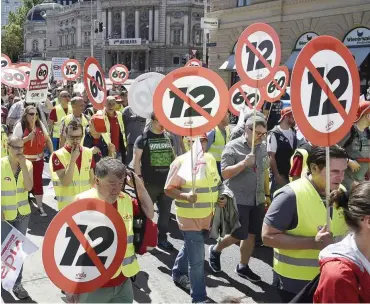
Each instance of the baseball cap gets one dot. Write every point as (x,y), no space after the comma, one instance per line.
(284,112)
(98,121)
(363,109)
(203,136)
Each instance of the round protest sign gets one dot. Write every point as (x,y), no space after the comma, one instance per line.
(71,69)
(14,77)
(118,74)
(5,61)
(190,102)
(325,91)
(193,63)
(257,55)
(84,246)
(275,89)
(241,94)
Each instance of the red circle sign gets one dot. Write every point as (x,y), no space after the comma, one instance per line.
(325,91)
(42,72)
(190,102)
(194,63)
(71,69)
(94,83)
(5,61)
(257,55)
(118,74)
(242,94)
(68,231)
(14,77)
(276,88)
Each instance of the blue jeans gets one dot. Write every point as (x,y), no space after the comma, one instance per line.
(190,261)
(55,142)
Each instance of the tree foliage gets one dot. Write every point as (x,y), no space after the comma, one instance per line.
(12,42)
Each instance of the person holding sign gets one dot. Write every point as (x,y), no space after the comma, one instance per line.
(357,145)
(17,181)
(245,173)
(295,224)
(111,175)
(72,167)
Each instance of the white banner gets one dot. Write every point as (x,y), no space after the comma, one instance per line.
(209,23)
(126,41)
(56,66)
(39,81)
(15,248)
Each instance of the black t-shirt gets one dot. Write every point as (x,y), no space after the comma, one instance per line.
(275,115)
(156,158)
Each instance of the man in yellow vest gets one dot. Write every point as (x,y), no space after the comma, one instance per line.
(78,106)
(16,182)
(194,213)
(72,167)
(115,128)
(296,222)
(110,177)
(217,140)
(59,111)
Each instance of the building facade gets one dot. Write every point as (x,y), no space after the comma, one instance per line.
(8,6)
(296,22)
(144,35)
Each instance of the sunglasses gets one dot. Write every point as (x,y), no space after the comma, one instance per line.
(32,114)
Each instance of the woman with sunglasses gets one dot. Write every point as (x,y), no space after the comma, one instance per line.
(35,136)
(16,181)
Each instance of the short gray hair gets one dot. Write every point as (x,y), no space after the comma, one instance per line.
(110,165)
(13,138)
(260,120)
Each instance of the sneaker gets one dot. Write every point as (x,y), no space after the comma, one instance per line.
(214,259)
(183,282)
(165,245)
(20,292)
(42,212)
(247,273)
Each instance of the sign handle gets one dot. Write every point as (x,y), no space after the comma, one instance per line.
(327,188)
(192,164)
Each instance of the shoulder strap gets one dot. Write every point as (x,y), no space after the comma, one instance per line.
(351,137)
(145,138)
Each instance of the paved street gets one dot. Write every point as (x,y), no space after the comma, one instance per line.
(153,283)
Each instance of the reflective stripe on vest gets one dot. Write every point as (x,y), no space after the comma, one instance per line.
(73,184)
(311,211)
(107,135)
(60,114)
(200,190)
(14,197)
(193,205)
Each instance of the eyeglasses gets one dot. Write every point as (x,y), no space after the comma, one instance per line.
(258,134)
(75,137)
(64,96)
(16,147)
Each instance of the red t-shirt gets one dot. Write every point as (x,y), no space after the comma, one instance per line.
(114,131)
(296,169)
(121,278)
(57,164)
(53,114)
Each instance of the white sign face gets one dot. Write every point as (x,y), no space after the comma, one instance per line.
(70,256)
(238,101)
(96,85)
(39,80)
(5,61)
(358,37)
(118,74)
(71,69)
(128,41)
(56,63)
(317,107)
(304,39)
(14,77)
(140,95)
(209,23)
(281,78)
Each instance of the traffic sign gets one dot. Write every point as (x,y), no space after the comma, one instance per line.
(118,74)
(190,102)
(25,67)
(71,69)
(193,63)
(325,91)
(94,82)
(241,94)
(275,89)
(84,246)
(140,95)
(5,61)
(14,77)
(38,81)
(257,55)
(42,72)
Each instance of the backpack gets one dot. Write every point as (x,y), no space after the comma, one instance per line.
(353,135)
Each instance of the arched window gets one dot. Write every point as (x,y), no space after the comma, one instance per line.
(35,45)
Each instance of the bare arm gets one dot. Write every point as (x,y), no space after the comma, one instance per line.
(137,160)
(234,170)
(144,198)
(267,181)
(176,193)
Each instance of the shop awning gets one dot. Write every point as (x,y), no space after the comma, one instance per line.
(360,54)
(291,60)
(229,64)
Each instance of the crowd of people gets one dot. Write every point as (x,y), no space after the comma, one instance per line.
(260,181)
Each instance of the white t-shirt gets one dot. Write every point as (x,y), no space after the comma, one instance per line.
(18,131)
(271,140)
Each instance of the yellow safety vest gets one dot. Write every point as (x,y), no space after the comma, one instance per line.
(81,180)
(304,264)
(14,197)
(60,114)
(219,144)
(107,135)
(304,154)
(4,140)
(84,122)
(130,265)
(206,190)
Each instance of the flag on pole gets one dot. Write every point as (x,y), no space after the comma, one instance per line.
(15,247)
(199,164)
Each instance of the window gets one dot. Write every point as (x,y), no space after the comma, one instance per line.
(35,45)
(60,40)
(66,39)
(72,38)
(87,37)
(7,8)
(176,36)
(176,60)
(242,3)
(50,43)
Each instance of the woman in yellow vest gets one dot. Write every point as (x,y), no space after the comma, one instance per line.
(16,181)
(296,222)
(110,177)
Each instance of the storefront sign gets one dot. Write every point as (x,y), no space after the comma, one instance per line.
(302,41)
(130,41)
(209,23)
(359,36)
